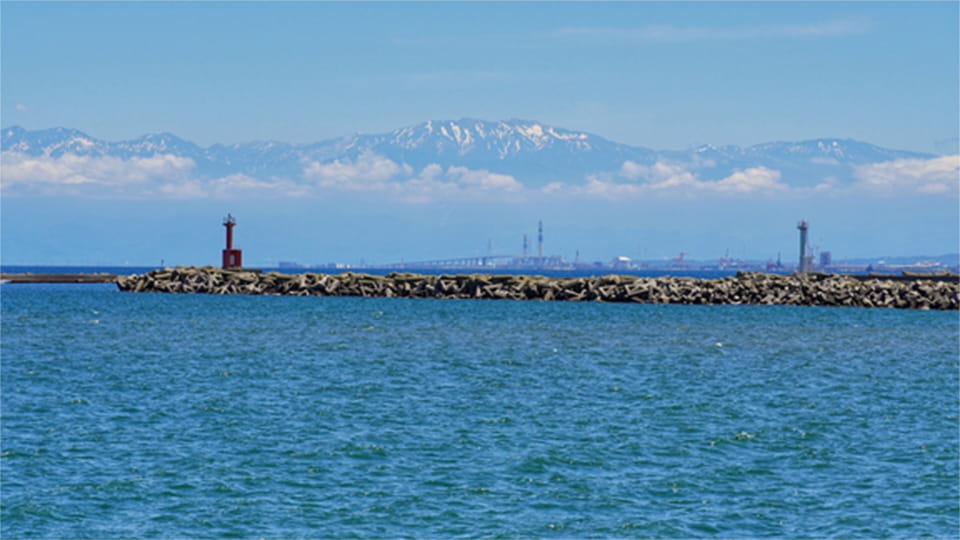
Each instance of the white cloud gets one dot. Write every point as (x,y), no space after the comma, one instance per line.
(672,178)
(242,182)
(828,183)
(22,107)
(939,175)
(431,172)
(170,176)
(482,179)
(374,173)
(191,189)
(749,180)
(162,175)
(425,189)
(554,187)
(607,190)
(69,169)
(368,172)
(234,186)
(456,183)
(660,175)
(241,185)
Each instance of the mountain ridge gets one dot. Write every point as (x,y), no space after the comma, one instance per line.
(560,133)
(538,153)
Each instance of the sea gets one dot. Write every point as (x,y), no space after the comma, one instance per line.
(141,415)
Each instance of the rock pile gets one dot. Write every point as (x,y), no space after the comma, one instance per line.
(745,288)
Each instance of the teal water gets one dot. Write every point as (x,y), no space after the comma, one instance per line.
(149,415)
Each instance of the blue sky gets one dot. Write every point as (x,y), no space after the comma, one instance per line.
(651,74)
(664,76)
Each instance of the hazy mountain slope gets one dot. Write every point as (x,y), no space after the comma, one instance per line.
(533,153)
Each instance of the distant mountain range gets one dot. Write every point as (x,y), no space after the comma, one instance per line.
(532,152)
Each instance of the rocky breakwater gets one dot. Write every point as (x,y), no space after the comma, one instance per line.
(745,288)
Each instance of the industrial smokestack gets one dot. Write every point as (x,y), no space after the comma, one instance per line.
(525,248)
(540,240)
(805,261)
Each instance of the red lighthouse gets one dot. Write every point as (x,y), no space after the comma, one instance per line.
(232,258)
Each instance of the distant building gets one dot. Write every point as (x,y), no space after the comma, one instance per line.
(621,263)
(825,259)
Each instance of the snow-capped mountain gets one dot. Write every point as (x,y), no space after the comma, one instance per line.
(532,152)
(536,152)
(803,163)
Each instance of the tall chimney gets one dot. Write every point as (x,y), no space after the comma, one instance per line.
(540,240)
(804,266)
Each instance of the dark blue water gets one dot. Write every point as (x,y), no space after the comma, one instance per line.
(150,415)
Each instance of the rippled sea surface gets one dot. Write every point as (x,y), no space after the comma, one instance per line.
(150,415)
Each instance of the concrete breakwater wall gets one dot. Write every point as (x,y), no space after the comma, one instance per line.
(745,288)
(58,278)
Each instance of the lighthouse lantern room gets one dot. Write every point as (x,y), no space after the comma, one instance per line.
(232,258)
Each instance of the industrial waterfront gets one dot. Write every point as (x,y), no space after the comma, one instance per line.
(526,263)
(809,259)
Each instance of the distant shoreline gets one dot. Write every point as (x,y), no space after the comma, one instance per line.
(584,271)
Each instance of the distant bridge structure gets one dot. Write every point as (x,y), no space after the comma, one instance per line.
(483,261)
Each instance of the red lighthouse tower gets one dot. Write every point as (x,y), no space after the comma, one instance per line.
(232,258)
